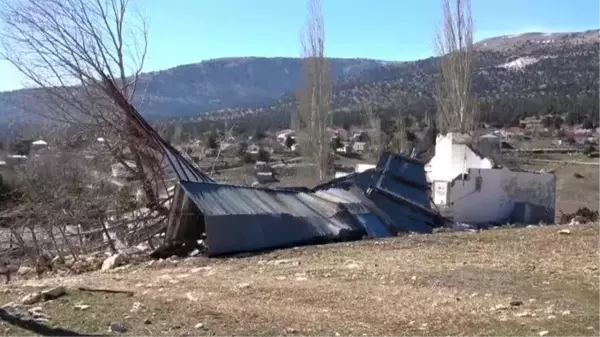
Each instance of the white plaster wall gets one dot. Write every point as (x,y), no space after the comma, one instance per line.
(452,159)
(500,190)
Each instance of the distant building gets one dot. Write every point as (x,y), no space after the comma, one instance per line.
(283,134)
(253,149)
(359,146)
(38,144)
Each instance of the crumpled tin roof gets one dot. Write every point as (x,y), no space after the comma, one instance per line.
(222,199)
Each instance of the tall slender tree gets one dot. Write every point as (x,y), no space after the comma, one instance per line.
(457,109)
(315,96)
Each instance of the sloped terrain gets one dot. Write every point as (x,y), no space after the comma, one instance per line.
(498,282)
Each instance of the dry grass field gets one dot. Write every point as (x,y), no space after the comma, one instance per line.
(500,282)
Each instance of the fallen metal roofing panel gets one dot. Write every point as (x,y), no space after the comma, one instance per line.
(397,187)
(239,218)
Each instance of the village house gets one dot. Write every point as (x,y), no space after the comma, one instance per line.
(283,134)
(359,146)
(511,132)
(345,148)
(454,155)
(469,188)
(253,149)
(38,145)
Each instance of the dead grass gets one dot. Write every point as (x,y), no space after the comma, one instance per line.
(447,283)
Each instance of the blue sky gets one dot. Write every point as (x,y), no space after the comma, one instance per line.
(188,31)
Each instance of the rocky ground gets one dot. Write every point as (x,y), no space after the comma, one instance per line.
(528,281)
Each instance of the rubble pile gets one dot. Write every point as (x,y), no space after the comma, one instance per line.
(581,216)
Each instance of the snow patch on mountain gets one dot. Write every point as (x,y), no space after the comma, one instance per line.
(519,63)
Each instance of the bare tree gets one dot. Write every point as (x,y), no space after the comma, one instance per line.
(85,57)
(398,141)
(314,98)
(457,110)
(375,134)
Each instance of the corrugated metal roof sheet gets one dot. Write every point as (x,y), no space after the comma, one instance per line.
(221,199)
(240,218)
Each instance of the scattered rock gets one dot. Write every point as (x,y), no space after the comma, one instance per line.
(500,307)
(523,314)
(199,326)
(291,330)
(116,327)
(82,307)
(35,310)
(199,269)
(191,297)
(135,307)
(566,312)
(53,293)
(113,262)
(32,298)
(551,317)
(516,303)
(57,260)
(352,266)
(24,270)
(543,333)
(564,231)
(243,285)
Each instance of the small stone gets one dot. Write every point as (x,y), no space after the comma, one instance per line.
(24,270)
(414,278)
(543,333)
(523,314)
(564,231)
(191,297)
(199,269)
(566,312)
(352,266)
(113,262)
(500,307)
(147,321)
(135,307)
(53,293)
(199,326)
(291,330)
(35,309)
(116,327)
(516,303)
(551,317)
(82,307)
(243,285)
(31,298)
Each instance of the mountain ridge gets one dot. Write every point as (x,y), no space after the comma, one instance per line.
(232,84)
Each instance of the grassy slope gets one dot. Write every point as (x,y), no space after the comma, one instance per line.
(438,284)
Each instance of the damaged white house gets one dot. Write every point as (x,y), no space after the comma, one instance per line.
(469,188)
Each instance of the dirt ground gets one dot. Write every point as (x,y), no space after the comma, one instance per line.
(577,183)
(497,282)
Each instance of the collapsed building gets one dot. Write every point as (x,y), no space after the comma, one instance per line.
(471,188)
(392,198)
